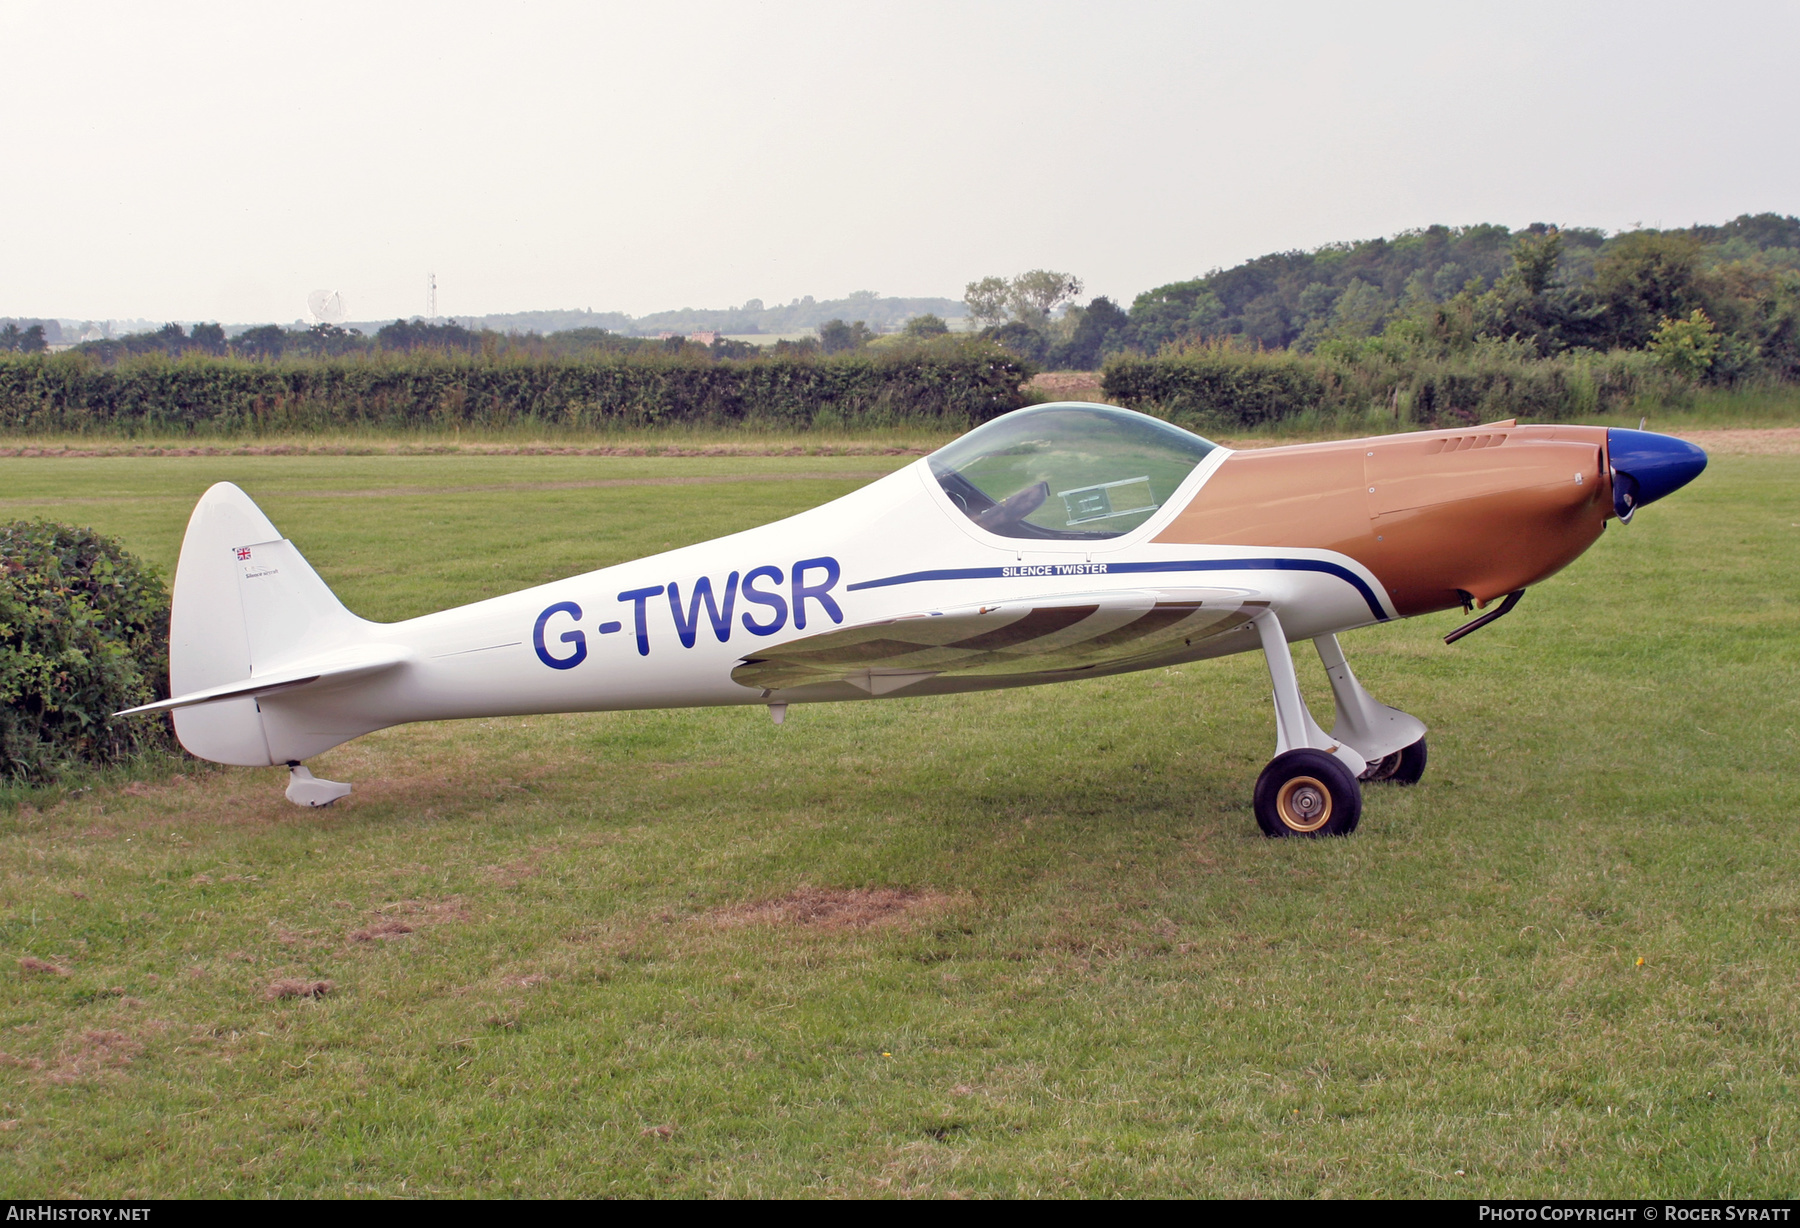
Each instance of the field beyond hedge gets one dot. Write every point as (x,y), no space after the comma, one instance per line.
(1014,944)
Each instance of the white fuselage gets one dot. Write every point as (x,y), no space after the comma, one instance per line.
(667,630)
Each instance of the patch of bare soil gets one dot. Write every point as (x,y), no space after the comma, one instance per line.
(96,1053)
(511,875)
(1068,385)
(404,917)
(427,912)
(32,964)
(294,987)
(819,908)
(1768,441)
(390,928)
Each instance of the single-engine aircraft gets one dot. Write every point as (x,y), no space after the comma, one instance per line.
(1051,544)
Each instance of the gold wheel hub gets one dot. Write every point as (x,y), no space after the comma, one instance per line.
(1304,804)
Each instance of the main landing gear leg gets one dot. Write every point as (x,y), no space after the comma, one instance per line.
(1392,741)
(1309,787)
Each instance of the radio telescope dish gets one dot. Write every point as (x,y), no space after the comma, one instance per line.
(327,306)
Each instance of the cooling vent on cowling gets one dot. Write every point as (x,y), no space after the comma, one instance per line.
(1463,443)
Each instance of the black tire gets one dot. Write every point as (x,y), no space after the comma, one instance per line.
(1411,765)
(1403,767)
(1307,793)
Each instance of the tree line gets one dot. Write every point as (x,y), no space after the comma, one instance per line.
(16,340)
(270,342)
(1714,303)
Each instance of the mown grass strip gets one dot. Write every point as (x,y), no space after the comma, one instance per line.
(1024,943)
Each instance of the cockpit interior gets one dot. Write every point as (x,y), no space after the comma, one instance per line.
(1067,471)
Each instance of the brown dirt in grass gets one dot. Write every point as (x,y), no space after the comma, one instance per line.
(427,912)
(389,922)
(511,875)
(97,1053)
(1770,441)
(817,908)
(33,964)
(1068,385)
(380,930)
(293,987)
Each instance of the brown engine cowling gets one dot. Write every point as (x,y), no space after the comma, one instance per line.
(1434,514)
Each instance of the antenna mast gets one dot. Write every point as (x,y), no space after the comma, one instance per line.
(431,297)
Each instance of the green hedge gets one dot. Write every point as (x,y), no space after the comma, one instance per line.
(84,632)
(1218,385)
(1546,390)
(1241,387)
(953,386)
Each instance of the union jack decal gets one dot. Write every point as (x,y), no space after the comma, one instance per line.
(243,553)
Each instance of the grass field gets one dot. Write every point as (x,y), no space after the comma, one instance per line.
(1009,944)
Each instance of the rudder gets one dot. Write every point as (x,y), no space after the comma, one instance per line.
(244,601)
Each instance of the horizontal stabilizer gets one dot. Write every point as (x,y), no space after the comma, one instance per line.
(341,665)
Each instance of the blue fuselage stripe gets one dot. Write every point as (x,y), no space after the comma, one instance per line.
(994,573)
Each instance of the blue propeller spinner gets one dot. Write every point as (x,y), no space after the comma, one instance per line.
(1646,466)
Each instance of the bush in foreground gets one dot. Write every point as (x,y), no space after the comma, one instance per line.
(84,632)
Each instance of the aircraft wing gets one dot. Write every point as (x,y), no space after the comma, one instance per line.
(1057,635)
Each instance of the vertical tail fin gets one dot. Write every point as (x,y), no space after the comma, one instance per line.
(245,602)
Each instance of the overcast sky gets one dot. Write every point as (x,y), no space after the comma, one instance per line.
(218,161)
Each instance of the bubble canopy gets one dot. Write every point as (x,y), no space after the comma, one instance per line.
(1067,471)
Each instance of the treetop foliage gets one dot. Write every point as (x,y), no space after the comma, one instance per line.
(1442,291)
(1424,294)
(27,340)
(837,337)
(1027,299)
